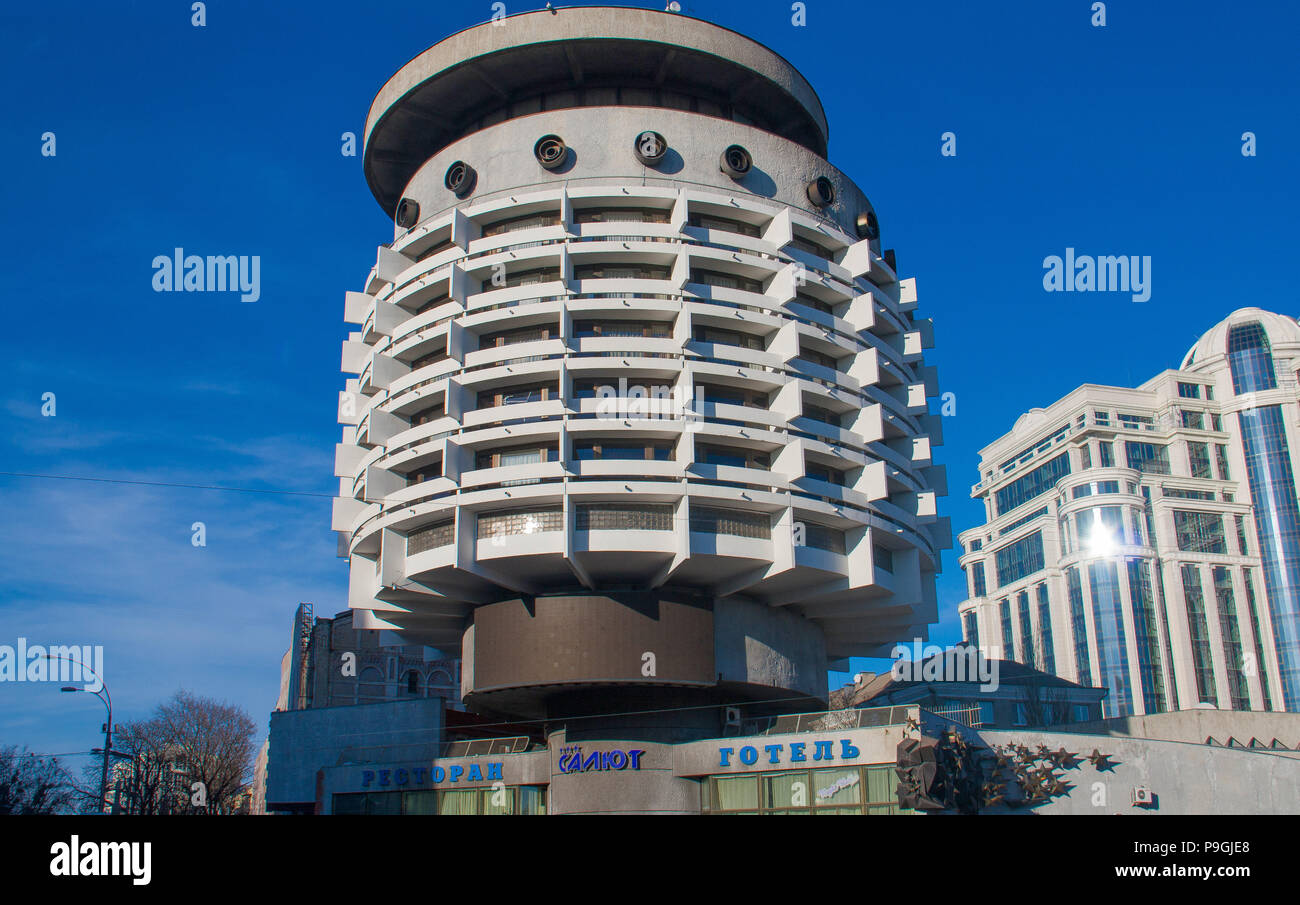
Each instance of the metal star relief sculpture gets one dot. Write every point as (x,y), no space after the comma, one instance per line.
(1101,762)
(1065,759)
(1036,774)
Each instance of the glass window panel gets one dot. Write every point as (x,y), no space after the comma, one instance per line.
(1277,529)
(1202,660)
(458,801)
(1252,608)
(1231,637)
(519,521)
(735,793)
(348,804)
(1039,481)
(1221,454)
(622,517)
(1026,627)
(1020,558)
(732,522)
(1150,672)
(419,802)
(1199,532)
(1112,653)
(1008,633)
(1047,655)
(786,790)
(1079,626)
(497,801)
(837,787)
(1148,458)
(882,784)
(1250,359)
(1198,458)
(532,800)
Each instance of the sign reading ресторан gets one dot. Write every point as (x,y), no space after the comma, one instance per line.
(422,776)
(797,753)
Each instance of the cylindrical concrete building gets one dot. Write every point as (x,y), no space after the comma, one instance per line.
(639,420)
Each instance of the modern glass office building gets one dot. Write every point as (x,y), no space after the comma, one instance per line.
(638,416)
(1159,525)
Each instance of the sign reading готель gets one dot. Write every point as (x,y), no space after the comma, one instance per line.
(822,750)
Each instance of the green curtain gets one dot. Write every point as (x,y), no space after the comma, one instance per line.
(498,801)
(735,793)
(461,801)
(787,790)
(837,787)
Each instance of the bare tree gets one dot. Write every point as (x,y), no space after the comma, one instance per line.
(190,757)
(33,785)
(211,743)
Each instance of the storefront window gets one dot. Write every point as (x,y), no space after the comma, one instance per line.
(412,802)
(532,800)
(500,800)
(369,803)
(786,790)
(837,787)
(841,790)
(459,801)
(735,793)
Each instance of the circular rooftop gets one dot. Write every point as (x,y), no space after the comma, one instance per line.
(1281,329)
(574,57)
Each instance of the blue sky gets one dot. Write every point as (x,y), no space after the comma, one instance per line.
(225,140)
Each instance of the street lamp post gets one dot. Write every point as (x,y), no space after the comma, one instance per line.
(107,701)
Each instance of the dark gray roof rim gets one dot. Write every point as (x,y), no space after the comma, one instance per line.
(409,89)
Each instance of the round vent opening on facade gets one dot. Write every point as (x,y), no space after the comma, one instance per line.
(868,226)
(650,148)
(736,162)
(408,213)
(551,152)
(821,191)
(460,178)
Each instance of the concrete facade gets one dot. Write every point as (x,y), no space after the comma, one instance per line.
(839,762)
(1277,732)
(301,742)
